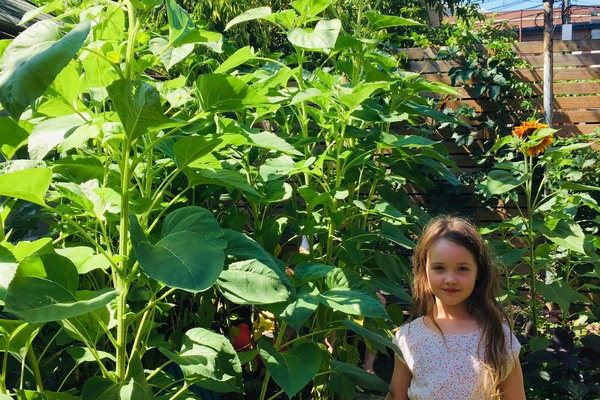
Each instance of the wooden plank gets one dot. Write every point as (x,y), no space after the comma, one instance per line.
(569,88)
(558,116)
(592,116)
(415,53)
(559,74)
(574,130)
(559,88)
(565,103)
(584,61)
(558,46)
(522,48)
(564,60)
(429,66)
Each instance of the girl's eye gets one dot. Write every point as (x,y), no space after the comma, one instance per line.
(438,268)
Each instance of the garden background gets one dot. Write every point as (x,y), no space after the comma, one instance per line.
(164,162)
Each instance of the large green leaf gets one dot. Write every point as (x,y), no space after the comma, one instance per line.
(293,368)
(190,149)
(354,302)
(182,29)
(310,8)
(276,168)
(249,15)
(349,293)
(224,92)
(500,182)
(189,254)
(139,107)
(49,133)
(561,293)
(296,312)
(307,271)
(321,38)
(252,282)
(379,21)
(84,258)
(240,247)
(8,268)
(44,289)
(79,169)
(565,233)
(12,137)
(83,354)
(24,249)
(377,341)
(361,93)
(136,386)
(168,55)
(33,60)
(270,140)
(356,376)
(208,360)
(219,177)
(90,327)
(240,57)
(98,387)
(16,337)
(27,184)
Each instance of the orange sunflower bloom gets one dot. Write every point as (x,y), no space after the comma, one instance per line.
(527,129)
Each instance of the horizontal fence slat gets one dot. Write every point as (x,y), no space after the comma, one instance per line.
(569,88)
(557,46)
(564,103)
(559,88)
(579,129)
(559,74)
(537,62)
(521,48)
(564,60)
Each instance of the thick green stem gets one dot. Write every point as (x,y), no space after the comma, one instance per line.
(531,241)
(133,29)
(3,374)
(263,390)
(35,369)
(120,275)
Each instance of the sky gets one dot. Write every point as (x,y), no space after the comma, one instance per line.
(511,5)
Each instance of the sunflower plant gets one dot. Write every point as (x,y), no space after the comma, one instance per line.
(545,237)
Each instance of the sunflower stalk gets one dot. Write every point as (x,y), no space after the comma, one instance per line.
(532,138)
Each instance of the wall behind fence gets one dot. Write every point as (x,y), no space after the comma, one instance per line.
(576,107)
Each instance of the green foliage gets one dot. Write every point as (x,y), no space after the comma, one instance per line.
(161,178)
(174,177)
(556,260)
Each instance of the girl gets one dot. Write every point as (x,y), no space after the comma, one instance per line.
(457,346)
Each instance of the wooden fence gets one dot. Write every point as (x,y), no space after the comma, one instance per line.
(576,108)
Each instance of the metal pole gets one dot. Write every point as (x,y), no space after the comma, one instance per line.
(548,61)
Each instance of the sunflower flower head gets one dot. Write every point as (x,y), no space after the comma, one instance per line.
(534,137)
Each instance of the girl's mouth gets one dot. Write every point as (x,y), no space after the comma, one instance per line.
(451,290)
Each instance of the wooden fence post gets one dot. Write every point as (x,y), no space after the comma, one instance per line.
(548,60)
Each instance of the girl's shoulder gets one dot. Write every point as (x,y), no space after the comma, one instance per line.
(512,343)
(415,324)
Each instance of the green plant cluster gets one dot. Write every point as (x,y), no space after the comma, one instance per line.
(166,189)
(160,184)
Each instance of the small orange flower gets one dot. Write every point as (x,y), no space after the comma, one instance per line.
(527,129)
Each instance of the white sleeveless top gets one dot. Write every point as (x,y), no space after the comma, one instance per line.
(446,371)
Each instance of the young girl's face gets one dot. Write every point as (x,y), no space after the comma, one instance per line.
(451,272)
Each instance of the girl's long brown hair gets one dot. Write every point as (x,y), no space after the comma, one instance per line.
(482,303)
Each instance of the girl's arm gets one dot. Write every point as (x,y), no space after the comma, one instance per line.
(512,388)
(400,381)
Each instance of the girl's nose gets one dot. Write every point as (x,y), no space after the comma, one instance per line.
(451,279)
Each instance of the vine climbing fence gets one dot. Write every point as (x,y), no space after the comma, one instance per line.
(576,107)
